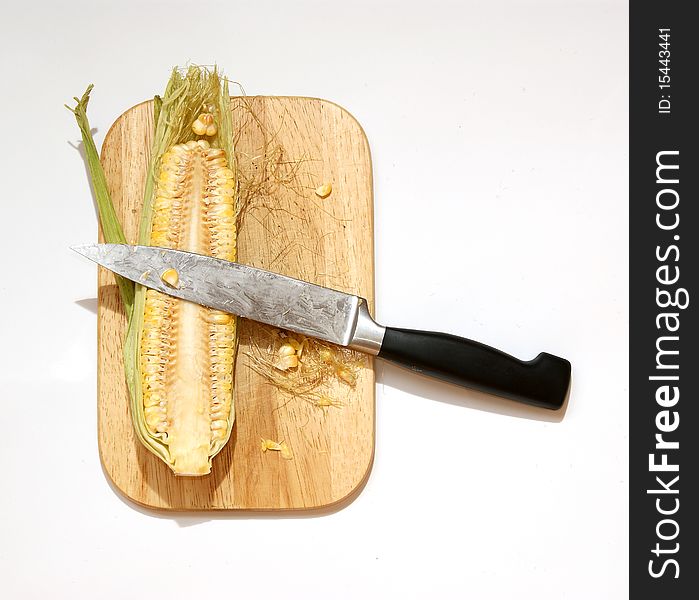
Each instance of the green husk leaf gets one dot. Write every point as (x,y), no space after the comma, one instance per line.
(157,105)
(109,222)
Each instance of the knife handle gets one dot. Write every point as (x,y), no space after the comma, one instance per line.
(542,382)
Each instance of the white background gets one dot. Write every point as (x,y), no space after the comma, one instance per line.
(499,139)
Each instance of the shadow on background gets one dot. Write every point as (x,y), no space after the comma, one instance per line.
(89,304)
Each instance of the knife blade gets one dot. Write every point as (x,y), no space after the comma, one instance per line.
(336,317)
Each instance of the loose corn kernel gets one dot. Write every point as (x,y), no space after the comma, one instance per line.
(269,445)
(171,277)
(323,191)
(289,355)
(287,350)
(281,447)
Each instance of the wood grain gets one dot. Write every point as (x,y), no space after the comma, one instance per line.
(287,229)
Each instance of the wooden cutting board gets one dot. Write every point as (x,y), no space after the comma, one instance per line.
(286,147)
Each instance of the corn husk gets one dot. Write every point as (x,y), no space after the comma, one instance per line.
(109,222)
(187,91)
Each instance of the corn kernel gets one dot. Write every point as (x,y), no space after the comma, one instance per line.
(269,445)
(323,191)
(171,277)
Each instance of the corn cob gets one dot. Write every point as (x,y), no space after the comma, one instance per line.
(179,356)
(187,350)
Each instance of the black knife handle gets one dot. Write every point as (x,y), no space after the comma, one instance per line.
(543,381)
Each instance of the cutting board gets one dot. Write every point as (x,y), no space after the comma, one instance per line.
(286,147)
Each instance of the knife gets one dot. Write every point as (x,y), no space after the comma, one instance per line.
(339,318)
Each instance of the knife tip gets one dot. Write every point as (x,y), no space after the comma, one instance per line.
(86,250)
